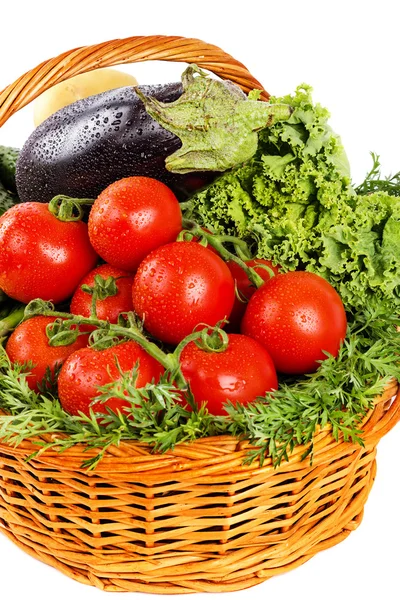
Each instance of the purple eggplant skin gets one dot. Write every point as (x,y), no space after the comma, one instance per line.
(84,147)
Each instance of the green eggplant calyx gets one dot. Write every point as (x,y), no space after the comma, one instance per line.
(215,121)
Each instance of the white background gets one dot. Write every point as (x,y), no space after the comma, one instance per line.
(349,52)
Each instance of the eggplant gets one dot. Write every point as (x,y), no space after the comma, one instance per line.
(84,147)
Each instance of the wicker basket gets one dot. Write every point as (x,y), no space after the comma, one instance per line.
(195,519)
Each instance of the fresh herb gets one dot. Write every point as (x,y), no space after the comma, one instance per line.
(48,384)
(374,182)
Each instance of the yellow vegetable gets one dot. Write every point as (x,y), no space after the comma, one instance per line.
(80,86)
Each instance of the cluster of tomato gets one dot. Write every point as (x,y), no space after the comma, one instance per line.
(286,325)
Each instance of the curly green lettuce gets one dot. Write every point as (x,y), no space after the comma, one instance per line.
(294,201)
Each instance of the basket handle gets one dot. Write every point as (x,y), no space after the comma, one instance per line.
(128,50)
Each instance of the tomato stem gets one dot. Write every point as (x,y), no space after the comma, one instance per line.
(216,341)
(218,241)
(196,335)
(110,334)
(67,209)
(111,331)
(101,289)
(240,246)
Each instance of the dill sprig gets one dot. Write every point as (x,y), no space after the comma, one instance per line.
(374,182)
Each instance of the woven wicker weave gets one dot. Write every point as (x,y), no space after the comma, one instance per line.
(195,519)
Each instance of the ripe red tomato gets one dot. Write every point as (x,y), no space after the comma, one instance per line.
(86,370)
(296,316)
(109,308)
(244,286)
(240,373)
(40,256)
(132,217)
(29,342)
(180,285)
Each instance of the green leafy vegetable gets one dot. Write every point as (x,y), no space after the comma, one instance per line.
(8,161)
(294,201)
(7,199)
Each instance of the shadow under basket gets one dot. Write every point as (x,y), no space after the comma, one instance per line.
(196,519)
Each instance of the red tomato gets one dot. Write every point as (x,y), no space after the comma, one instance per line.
(179,286)
(244,286)
(296,316)
(240,373)
(29,342)
(132,217)
(109,308)
(86,370)
(40,256)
